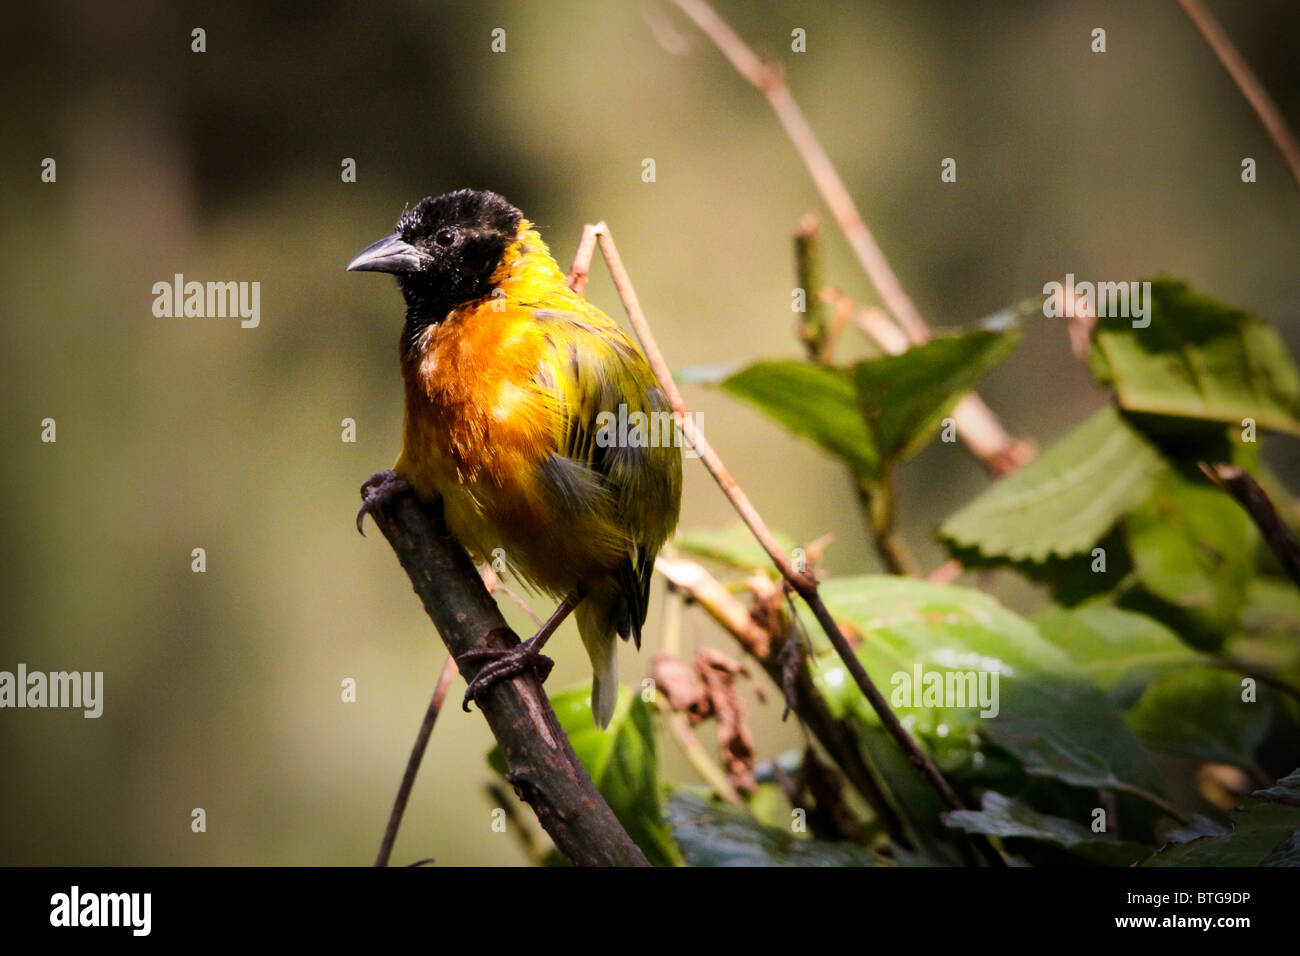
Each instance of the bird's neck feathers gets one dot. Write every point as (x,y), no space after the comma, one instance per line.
(527,272)
(527,276)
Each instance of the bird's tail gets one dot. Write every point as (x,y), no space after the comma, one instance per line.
(598,626)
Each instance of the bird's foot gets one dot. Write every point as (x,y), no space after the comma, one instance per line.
(379,489)
(503,663)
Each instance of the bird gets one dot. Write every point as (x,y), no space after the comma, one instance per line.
(519,394)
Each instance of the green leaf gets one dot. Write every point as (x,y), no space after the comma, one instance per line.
(623,764)
(878,411)
(1007,818)
(1063,502)
(1121,651)
(1265,832)
(711,834)
(1052,719)
(1193,549)
(912,798)
(1071,580)
(734,546)
(769,805)
(1069,731)
(1197,826)
(1198,359)
(1269,635)
(818,402)
(905,397)
(1199,712)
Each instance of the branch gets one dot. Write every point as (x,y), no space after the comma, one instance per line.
(976,423)
(814,327)
(541,764)
(723,606)
(525,834)
(767,80)
(1246,81)
(767,651)
(818,335)
(804,584)
(877,502)
(448,674)
(581,267)
(997,450)
(1252,497)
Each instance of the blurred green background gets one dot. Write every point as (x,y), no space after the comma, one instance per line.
(222,689)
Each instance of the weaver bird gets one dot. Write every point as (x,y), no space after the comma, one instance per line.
(507,375)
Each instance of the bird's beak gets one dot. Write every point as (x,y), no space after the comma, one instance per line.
(390,254)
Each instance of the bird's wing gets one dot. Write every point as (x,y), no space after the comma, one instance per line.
(615,444)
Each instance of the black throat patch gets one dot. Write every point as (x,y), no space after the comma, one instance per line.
(462,237)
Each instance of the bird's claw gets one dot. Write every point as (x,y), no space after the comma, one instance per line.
(379,489)
(503,663)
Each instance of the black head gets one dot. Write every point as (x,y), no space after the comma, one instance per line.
(444,251)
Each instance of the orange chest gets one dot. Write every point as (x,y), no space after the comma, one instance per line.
(473,407)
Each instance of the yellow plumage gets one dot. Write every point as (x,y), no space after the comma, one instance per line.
(512,405)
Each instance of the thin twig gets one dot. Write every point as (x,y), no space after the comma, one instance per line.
(804,584)
(724,607)
(492,581)
(767,80)
(678,724)
(814,327)
(449,671)
(1252,670)
(833,733)
(674,612)
(876,325)
(665,32)
(1246,490)
(1081,318)
(999,452)
(979,429)
(1160,803)
(946,573)
(877,499)
(841,313)
(581,268)
(690,431)
(1246,81)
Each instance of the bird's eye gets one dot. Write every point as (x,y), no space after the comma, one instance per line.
(444,237)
